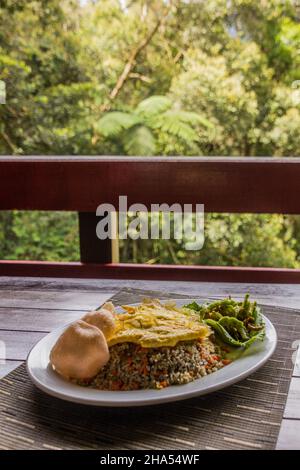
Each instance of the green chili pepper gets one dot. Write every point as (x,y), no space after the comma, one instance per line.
(215,316)
(227,338)
(244,311)
(223,333)
(236,323)
(225,307)
(235,327)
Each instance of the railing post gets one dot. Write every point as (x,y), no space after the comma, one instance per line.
(93,250)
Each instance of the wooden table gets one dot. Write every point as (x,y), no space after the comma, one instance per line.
(31,307)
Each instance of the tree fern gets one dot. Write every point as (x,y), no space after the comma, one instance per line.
(178,123)
(192,118)
(135,129)
(114,123)
(154,105)
(179,129)
(139,140)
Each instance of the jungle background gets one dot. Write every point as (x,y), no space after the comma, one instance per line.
(157,77)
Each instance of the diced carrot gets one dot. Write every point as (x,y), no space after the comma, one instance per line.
(216,357)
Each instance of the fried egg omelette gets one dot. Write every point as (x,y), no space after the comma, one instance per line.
(152,324)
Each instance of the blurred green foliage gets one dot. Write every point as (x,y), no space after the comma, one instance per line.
(39,235)
(230,240)
(116,77)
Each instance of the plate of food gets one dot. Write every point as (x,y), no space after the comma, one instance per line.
(152,352)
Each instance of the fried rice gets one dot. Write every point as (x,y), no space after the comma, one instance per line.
(132,367)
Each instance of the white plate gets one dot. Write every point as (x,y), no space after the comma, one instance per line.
(50,382)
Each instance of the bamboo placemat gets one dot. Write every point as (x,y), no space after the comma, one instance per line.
(246,415)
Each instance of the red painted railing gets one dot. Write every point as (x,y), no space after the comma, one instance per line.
(233,185)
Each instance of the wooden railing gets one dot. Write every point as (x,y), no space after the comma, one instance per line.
(233,185)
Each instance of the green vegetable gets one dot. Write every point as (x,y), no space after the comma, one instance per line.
(236,323)
(194,306)
(235,327)
(223,333)
(197,308)
(258,337)
(224,307)
(245,309)
(256,314)
(215,316)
